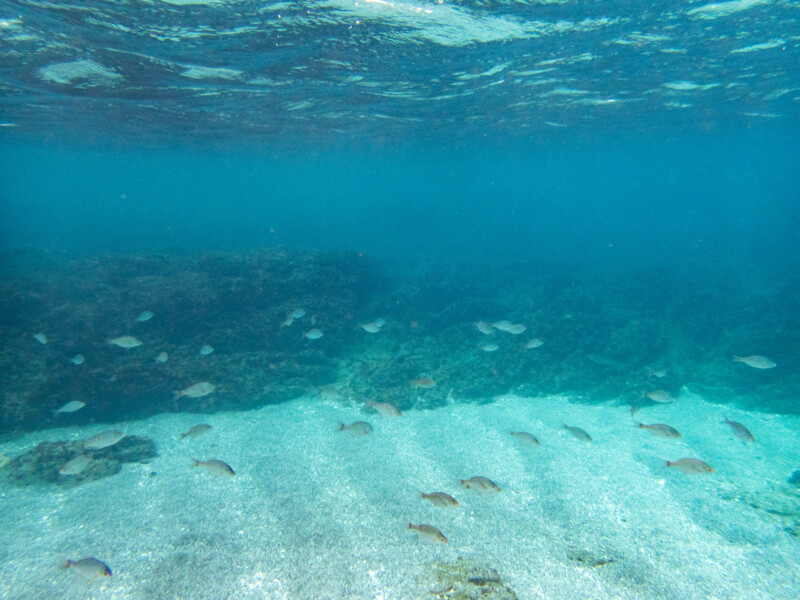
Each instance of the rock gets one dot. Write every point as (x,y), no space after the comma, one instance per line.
(466,580)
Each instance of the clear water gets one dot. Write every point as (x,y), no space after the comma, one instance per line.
(620,178)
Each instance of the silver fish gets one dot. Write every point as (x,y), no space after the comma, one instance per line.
(145,316)
(386,409)
(198,390)
(429,533)
(440,499)
(691,466)
(481,485)
(103,440)
(660,430)
(40,337)
(196,431)
(756,361)
(525,438)
(90,568)
(78,359)
(70,407)
(162,358)
(578,433)
(76,465)
(313,334)
(206,350)
(740,431)
(215,467)
(126,341)
(357,429)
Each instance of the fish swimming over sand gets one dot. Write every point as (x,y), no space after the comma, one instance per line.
(484,328)
(440,499)
(423,383)
(76,465)
(489,347)
(78,359)
(215,467)
(40,337)
(70,407)
(206,350)
(429,533)
(198,390)
(357,429)
(691,466)
(481,485)
(145,316)
(533,343)
(162,358)
(578,433)
(740,431)
(126,341)
(660,430)
(755,361)
(287,322)
(661,396)
(103,440)
(502,325)
(386,409)
(313,334)
(298,313)
(371,327)
(516,329)
(196,431)
(525,438)
(90,568)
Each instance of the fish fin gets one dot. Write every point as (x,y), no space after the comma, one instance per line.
(637,424)
(176,395)
(634,409)
(341,426)
(423,494)
(668,463)
(65,565)
(736,358)
(195,462)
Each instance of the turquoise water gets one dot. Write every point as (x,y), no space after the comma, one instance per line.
(495,216)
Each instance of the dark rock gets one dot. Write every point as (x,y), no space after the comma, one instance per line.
(466,580)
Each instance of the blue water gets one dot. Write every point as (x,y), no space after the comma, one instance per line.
(621,179)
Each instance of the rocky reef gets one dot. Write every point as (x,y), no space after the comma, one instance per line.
(466,580)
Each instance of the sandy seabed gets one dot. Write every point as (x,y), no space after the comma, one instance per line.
(315,513)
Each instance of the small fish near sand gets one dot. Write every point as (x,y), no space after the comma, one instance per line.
(429,533)
(206,350)
(440,499)
(489,347)
(423,383)
(214,467)
(357,429)
(196,431)
(40,337)
(144,316)
(385,408)
(198,390)
(70,407)
(481,485)
(298,313)
(76,466)
(104,439)
(740,431)
(525,438)
(578,433)
(516,329)
(162,358)
(533,343)
(691,466)
(660,396)
(125,341)
(90,568)
(756,361)
(313,334)
(659,430)
(78,359)
(484,328)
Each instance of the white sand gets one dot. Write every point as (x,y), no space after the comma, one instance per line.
(315,513)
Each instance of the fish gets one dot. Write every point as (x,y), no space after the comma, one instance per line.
(525,438)
(78,359)
(578,433)
(215,467)
(423,383)
(90,568)
(370,327)
(103,440)
(660,430)
(162,358)
(484,328)
(691,466)
(440,499)
(313,334)
(76,465)
(196,431)
(206,350)
(481,485)
(662,396)
(380,321)
(740,431)
(533,343)
(198,390)
(145,316)
(657,373)
(70,407)
(126,341)
(756,361)
(516,329)
(429,533)
(489,347)
(298,313)
(502,325)
(386,409)
(357,429)
(287,322)
(40,337)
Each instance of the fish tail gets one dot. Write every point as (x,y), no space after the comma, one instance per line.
(668,463)
(423,494)
(196,462)
(181,436)
(737,358)
(411,526)
(634,409)
(341,426)
(66,564)
(637,424)
(176,395)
